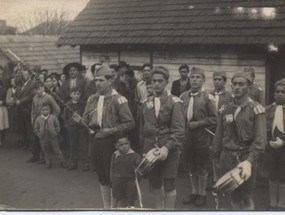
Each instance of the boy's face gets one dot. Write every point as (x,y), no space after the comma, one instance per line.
(196,81)
(123,145)
(40,90)
(75,95)
(279,94)
(45,110)
(184,73)
(219,82)
(149,89)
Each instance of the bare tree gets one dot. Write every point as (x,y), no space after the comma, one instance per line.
(45,22)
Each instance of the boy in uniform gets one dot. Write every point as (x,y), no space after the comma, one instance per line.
(200,114)
(240,138)
(162,124)
(276,148)
(107,113)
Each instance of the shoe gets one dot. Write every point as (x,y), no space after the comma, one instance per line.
(201,200)
(32,160)
(86,167)
(63,164)
(190,199)
(72,166)
(48,165)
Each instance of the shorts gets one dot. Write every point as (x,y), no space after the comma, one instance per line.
(276,164)
(227,162)
(124,189)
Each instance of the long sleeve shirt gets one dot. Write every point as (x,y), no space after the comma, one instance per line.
(247,130)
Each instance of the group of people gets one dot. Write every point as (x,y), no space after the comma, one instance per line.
(114,119)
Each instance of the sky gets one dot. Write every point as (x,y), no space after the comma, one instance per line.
(15,11)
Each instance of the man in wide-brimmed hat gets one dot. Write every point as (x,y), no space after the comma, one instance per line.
(73,79)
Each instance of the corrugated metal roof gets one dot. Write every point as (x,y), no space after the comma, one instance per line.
(39,50)
(178,22)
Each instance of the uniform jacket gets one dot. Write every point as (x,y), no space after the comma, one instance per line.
(169,126)
(116,112)
(52,125)
(65,89)
(25,94)
(225,96)
(38,101)
(176,90)
(248,130)
(256,94)
(76,107)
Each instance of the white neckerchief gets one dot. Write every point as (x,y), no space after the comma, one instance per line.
(157,105)
(100,107)
(217,99)
(237,112)
(191,105)
(45,117)
(278,119)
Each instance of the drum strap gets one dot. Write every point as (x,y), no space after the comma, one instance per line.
(138,189)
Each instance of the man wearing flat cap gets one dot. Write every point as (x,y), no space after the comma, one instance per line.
(183,84)
(240,138)
(200,113)
(255,92)
(162,125)
(220,93)
(275,149)
(108,114)
(74,79)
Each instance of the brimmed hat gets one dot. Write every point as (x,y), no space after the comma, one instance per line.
(68,66)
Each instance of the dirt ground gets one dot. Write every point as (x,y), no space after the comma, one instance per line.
(30,186)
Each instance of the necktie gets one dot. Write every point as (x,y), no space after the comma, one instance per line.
(190,106)
(237,112)
(278,119)
(157,106)
(100,106)
(217,98)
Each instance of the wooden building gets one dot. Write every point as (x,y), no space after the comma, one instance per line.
(216,35)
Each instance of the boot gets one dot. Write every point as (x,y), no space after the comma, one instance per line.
(202,182)
(158,195)
(106,196)
(273,193)
(169,200)
(281,195)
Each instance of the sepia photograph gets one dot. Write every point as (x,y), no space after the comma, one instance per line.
(142,105)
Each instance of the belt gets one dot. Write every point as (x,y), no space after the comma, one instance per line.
(237,152)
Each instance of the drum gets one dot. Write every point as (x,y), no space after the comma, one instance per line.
(148,162)
(228,182)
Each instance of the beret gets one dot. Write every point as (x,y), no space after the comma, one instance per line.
(220,73)
(160,69)
(104,70)
(280,82)
(197,70)
(242,75)
(248,69)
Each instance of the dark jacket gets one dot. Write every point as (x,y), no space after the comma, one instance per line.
(25,95)
(65,89)
(176,90)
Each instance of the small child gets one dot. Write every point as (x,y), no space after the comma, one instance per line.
(149,88)
(47,129)
(78,135)
(123,162)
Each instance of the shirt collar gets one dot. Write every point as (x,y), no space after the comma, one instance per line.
(244,104)
(117,153)
(45,117)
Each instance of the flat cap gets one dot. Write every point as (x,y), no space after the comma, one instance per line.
(197,70)
(103,71)
(162,70)
(242,75)
(220,73)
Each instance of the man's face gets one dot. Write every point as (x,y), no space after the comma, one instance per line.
(54,82)
(114,73)
(184,73)
(48,83)
(102,84)
(123,145)
(75,96)
(42,78)
(196,81)
(13,83)
(45,110)
(219,82)
(146,72)
(159,83)
(122,70)
(73,71)
(26,75)
(240,87)
(62,77)
(40,90)
(279,94)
